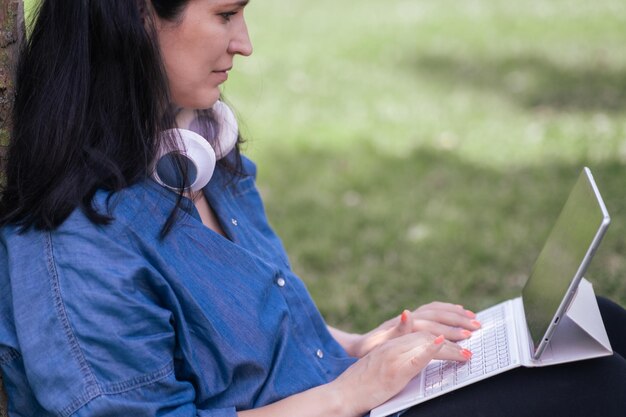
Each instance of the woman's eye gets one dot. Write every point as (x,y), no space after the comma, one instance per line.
(226,16)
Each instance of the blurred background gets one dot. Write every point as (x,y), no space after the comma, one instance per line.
(418,150)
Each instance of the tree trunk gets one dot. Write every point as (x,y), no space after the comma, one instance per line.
(11,36)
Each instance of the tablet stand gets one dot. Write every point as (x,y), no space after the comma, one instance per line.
(580,334)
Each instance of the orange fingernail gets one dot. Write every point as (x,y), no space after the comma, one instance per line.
(470,314)
(439,340)
(466,354)
(404,317)
(475,323)
(466,333)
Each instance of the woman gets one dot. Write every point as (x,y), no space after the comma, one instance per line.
(127,291)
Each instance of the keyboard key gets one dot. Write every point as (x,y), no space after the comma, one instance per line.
(489,346)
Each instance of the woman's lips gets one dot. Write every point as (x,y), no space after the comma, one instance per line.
(222,74)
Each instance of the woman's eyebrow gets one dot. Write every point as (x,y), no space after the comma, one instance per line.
(240,3)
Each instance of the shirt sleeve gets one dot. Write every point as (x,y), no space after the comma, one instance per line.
(96,330)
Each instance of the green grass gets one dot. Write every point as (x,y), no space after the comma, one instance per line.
(413,150)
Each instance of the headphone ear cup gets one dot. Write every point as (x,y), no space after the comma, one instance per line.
(193,156)
(189,164)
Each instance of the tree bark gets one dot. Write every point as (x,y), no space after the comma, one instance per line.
(11,36)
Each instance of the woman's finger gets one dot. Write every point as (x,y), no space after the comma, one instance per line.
(452,308)
(411,344)
(403,325)
(421,354)
(448,318)
(392,329)
(453,352)
(450,332)
(406,323)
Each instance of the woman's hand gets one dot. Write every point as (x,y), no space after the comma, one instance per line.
(369,382)
(389,367)
(450,320)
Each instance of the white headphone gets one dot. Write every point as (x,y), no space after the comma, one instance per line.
(194,150)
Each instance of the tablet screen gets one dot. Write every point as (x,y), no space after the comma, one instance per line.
(565,256)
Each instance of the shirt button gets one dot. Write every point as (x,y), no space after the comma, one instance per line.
(319,353)
(281,282)
(234,222)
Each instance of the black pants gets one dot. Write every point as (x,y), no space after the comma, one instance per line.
(595,387)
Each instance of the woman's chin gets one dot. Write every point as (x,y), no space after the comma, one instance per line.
(203,100)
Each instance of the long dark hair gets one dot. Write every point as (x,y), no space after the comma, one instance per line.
(91,98)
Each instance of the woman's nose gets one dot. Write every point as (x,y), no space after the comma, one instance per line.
(241,43)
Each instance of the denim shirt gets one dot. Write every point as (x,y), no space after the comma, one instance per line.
(112,321)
